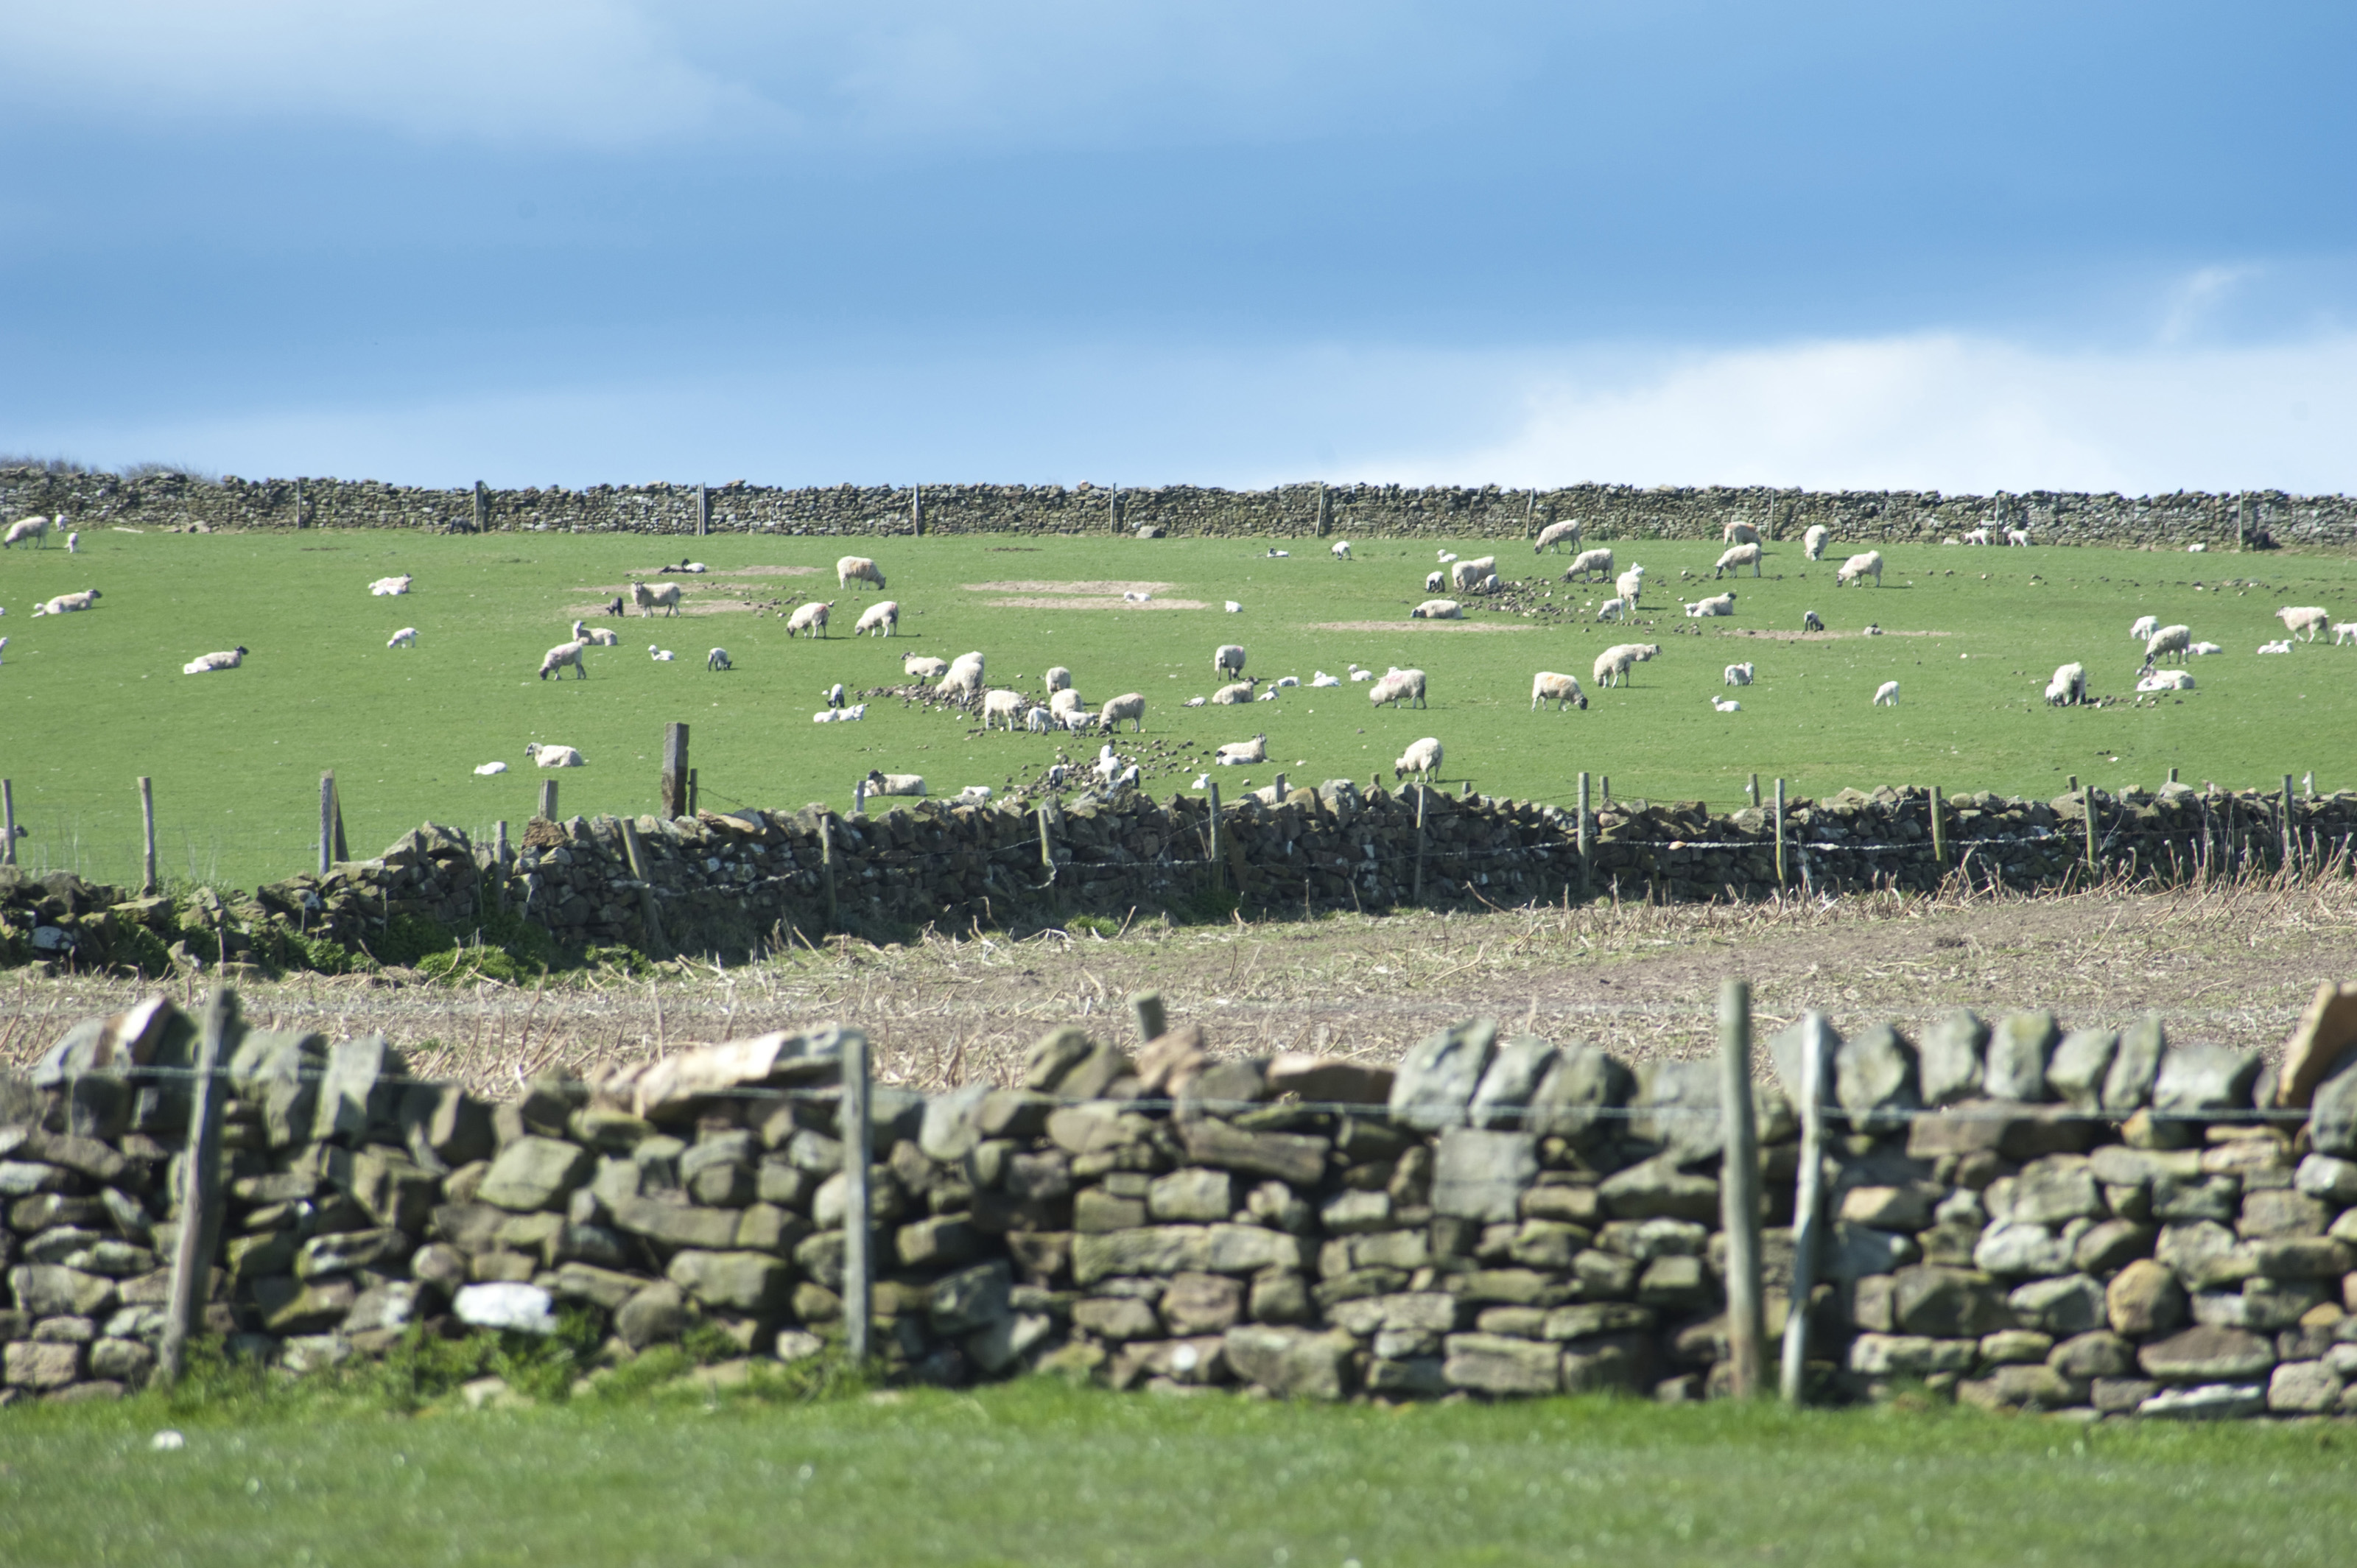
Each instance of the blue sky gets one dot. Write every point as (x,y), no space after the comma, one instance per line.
(1952,246)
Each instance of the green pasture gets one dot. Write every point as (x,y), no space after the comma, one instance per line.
(90,702)
(1034,1472)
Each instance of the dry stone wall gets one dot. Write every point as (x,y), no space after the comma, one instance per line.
(1487,511)
(2021,1217)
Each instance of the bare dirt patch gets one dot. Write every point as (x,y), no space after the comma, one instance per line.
(1041,602)
(1038,585)
(1413,625)
(1775,636)
(687,606)
(767,572)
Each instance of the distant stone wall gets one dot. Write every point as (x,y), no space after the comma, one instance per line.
(1609,511)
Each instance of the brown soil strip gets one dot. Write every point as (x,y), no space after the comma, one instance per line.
(1038,585)
(1039,602)
(1413,625)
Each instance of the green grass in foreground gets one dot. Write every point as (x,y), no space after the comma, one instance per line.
(90,702)
(1034,1472)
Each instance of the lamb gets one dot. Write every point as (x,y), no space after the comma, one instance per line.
(2167,639)
(1064,700)
(1235,696)
(1563,691)
(2344,631)
(1228,659)
(895,783)
(1285,681)
(1446,557)
(717,660)
(1130,705)
(36,529)
(1077,719)
(2309,618)
(1631,585)
(1267,696)
(692,568)
(1135,597)
(2018,537)
(2282,645)
(1739,675)
(1422,758)
(206,663)
(554,662)
(1737,559)
(1341,549)
(809,617)
(1727,704)
(1237,753)
(920,668)
(850,715)
(1723,605)
(490,770)
(2203,650)
(833,696)
(964,676)
(1977,536)
(596,636)
(1739,534)
(2195,549)
(1887,694)
(391,587)
(974,795)
(1039,721)
(1613,610)
(1556,533)
(614,605)
(1612,665)
(1435,581)
(850,569)
(1488,585)
(1358,674)
(1233,608)
(1398,686)
(405,638)
(1597,561)
(1463,574)
(1812,543)
(1809,621)
(2069,687)
(660,655)
(1438,609)
(1002,705)
(73,544)
(666,594)
(2166,680)
(881,618)
(551,755)
(1322,679)
(1057,679)
(2145,627)
(1276,554)
(1869,565)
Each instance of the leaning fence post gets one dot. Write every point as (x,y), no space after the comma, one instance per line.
(1219,868)
(648,914)
(1152,1021)
(327,824)
(1047,843)
(1808,1207)
(1779,832)
(8,821)
(859,1266)
(2291,839)
(1587,868)
(148,834)
(192,1246)
(1738,1185)
(2087,804)
(1939,831)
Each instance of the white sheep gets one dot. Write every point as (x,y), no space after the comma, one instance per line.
(1077,719)
(1130,705)
(1435,581)
(809,617)
(1341,549)
(1812,543)
(2018,537)
(1613,610)
(964,677)
(895,783)
(850,569)
(1631,585)
(391,587)
(974,795)
(1267,696)
(2145,627)
(1438,609)
(648,599)
(1358,675)
(1488,585)
(1563,691)
(1235,694)
(1556,533)
(1462,574)
(554,662)
(717,660)
(596,636)
(69,603)
(1613,664)
(832,696)
(36,529)
(1285,681)
(1722,605)
(489,769)
(1727,704)
(1228,659)
(1398,686)
(1276,554)
(850,715)
(2167,640)
(1322,679)
(2203,650)
(1135,597)
(1739,675)
(1002,705)
(1887,694)
(1868,564)
(551,755)
(2344,631)
(1810,621)
(2166,681)
(206,663)
(1422,758)
(1447,556)
(1737,559)
(2281,645)
(1977,536)
(2196,548)
(4,647)
(1237,753)
(73,544)
(1065,700)
(405,638)
(2069,687)
(921,668)
(2309,618)
(1739,534)
(1234,609)
(882,619)
(1597,561)
(660,655)
(1057,679)
(1039,721)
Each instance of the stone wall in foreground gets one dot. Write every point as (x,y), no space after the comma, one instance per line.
(1341,511)
(2090,1221)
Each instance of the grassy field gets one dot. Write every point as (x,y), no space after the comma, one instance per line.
(90,702)
(1033,1473)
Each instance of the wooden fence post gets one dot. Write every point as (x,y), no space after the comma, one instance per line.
(8,821)
(1423,793)
(917,509)
(327,824)
(343,850)
(1779,832)
(675,771)
(1751,791)
(547,799)
(148,834)
(500,866)
(1219,866)
(1047,843)
(1939,831)
(2291,839)
(1739,1182)
(649,916)
(826,864)
(1808,1207)
(1152,1021)
(2087,805)
(192,1246)
(299,503)
(703,510)
(1586,866)
(858,1264)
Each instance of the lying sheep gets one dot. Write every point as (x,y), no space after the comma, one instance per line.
(1235,694)
(1002,705)
(2166,680)
(1398,686)
(2069,687)
(1057,679)
(2282,645)
(1868,564)
(554,662)
(1631,585)
(1341,549)
(1488,585)
(1463,574)
(918,667)
(34,529)
(2145,627)
(1358,675)
(206,663)
(551,755)
(850,569)
(1812,543)
(974,795)
(1135,597)
(809,617)
(1563,691)
(1556,533)
(405,638)
(2168,639)
(882,619)
(1130,705)
(2203,650)
(648,599)
(1322,679)
(391,587)
(1237,753)
(1887,694)
(1438,609)
(1447,556)
(1597,561)
(1613,610)
(1739,675)
(1809,621)
(1422,758)
(1737,559)
(895,783)
(1739,534)
(2308,618)
(1722,605)
(850,715)
(1613,664)
(717,660)
(660,655)
(596,636)
(490,770)
(1228,659)
(1727,704)
(1435,581)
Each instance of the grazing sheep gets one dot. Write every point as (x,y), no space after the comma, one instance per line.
(1613,610)
(1341,549)
(2344,631)
(1002,705)
(1739,534)
(391,587)
(2282,645)
(551,755)
(1887,694)
(614,605)
(206,663)
(1809,621)
(647,597)
(1438,609)
(1398,686)
(1727,704)
(1322,679)
(2145,627)
(2018,537)
(1235,696)
(1488,585)
(1422,758)
(1228,659)
(1737,559)
(2203,650)
(921,668)
(1723,605)
(1057,679)
(596,636)
(1977,536)
(490,768)
(832,696)
(850,569)
(1556,533)
(1739,675)
(554,662)
(1563,691)
(1065,700)
(2167,640)
(405,638)
(1812,543)
(895,783)
(2069,687)
(660,655)
(1631,585)
(1869,565)
(1597,561)
(1435,581)
(1130,705)
(36,529)
(809,617)
(2166,681)
(1463,573)
(2309,618)
(1613,664)
(717,660)
(882,619)
(964,676)
(1237,753)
